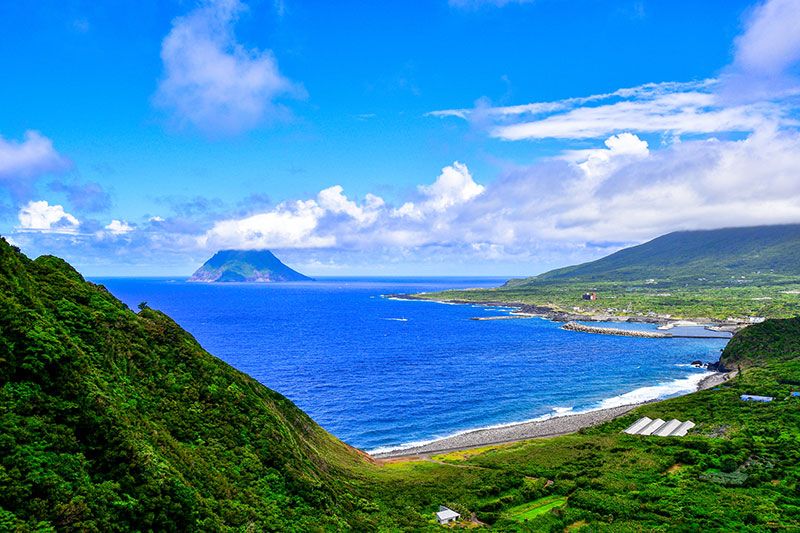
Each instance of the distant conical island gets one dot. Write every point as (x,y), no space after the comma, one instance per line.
(254,266)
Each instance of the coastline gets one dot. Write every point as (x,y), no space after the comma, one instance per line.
(521,311)
(549,427)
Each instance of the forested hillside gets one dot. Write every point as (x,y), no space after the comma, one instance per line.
(112,420)
(695,257)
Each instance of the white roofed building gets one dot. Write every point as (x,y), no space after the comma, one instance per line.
(446,515)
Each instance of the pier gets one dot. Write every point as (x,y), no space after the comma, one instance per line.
(575,326)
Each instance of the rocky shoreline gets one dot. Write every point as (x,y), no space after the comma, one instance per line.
(551,427)
(548,313)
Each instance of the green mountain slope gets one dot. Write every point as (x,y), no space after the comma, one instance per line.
(111,420)
(246,266)
(684,256)
(116,421)
(774,341)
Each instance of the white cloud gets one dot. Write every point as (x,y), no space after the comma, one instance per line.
(690,185)
(290,225)
(41,216)
(564,209)
(672,108)
(554,212)
(637,110)
(766,54)
(119,227)
(453,186)
(648,91)
(771,42)
(599,162)
(29,159)
(758,90)
(677,113)
(334,201)
(332,219)
(213,82)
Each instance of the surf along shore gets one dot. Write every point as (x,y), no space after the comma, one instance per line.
(550,427)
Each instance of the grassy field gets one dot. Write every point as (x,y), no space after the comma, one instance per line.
(530,510)
(780,298)
(736,471)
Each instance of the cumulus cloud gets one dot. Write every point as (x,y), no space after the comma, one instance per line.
(328,220)
(214,83)
(569,208)
(22,162)
(690,185)
(453,186)
(118,227)
(290,225)
(334,201)
(601,161)
(332,219)
(618,193)
(41,216)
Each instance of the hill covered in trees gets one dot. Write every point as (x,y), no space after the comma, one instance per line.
(251,266)
(694,257)
(712,274)
(112,420)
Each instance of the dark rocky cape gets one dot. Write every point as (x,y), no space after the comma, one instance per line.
(255,266)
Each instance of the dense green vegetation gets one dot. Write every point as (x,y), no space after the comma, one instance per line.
(704,258)
(112,420)
(738,470)
(246,266)
(734,272)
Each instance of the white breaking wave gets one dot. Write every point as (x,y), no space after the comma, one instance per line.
(557,411)
(643,394)
(397,319)
(655,392)
(396,299)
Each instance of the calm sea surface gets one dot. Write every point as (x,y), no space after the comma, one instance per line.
(378,372)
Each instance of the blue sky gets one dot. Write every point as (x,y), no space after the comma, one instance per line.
(389,138)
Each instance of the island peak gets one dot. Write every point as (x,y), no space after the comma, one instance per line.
(248,266)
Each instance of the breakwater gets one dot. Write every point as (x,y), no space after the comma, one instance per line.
(575,326)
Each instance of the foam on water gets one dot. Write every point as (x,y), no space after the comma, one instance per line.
(661,391)
(656,392)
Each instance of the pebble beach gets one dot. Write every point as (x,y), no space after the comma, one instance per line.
(551,427)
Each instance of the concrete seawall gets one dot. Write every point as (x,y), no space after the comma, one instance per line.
(574,326)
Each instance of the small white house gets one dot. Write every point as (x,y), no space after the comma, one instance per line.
(446,515)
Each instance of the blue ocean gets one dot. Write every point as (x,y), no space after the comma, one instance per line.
(381,373)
